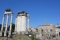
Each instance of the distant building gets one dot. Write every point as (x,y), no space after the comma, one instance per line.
(57,30)
(46,30)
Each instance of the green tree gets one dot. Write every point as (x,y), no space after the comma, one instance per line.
(53,35)
(13,27)
(32,37)
(8,28)
(37,39)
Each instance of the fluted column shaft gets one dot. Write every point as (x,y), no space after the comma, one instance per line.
(11,22)
(6,26)
(2,24)
(28,21)
(10,26)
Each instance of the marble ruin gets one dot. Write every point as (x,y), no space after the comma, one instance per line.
(20,26)
(20,22)
(6,14)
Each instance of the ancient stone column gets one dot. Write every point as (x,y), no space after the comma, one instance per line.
(10,26)
(6,25)
(28,22)
(2,26)
(2,23)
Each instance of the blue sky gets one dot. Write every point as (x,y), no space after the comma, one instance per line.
(39,10)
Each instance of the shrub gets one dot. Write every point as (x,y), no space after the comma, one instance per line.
(53,35)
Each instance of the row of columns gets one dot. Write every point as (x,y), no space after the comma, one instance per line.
(9,33)
(7,13)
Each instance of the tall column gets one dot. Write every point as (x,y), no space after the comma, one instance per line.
(10,26)
(6,26)
(28,22)
(2,26)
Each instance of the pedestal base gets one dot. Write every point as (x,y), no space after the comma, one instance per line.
(9,35)
(4,34)
(23,32)
(0,33)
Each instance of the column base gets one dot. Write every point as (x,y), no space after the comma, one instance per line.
(23,32)
(4,34)
(0,33)
(9,34)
